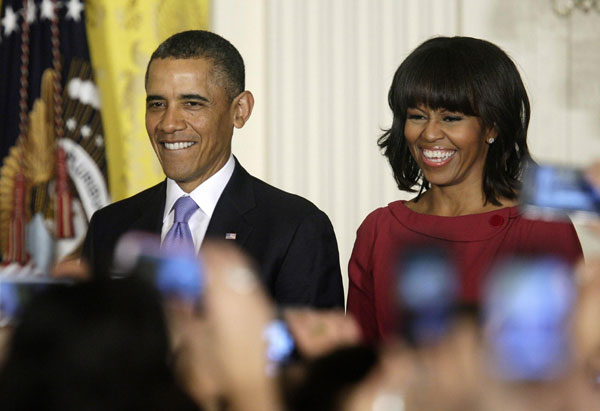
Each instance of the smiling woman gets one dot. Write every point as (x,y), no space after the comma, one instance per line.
(448,147)
(459,134)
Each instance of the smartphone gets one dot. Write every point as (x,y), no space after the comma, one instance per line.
(281,346)
(527,306)
(15,294)
(175,276)
(426,290)
(557,193)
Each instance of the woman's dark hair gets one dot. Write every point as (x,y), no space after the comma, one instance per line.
(328,379)
(473,77)
(92,346)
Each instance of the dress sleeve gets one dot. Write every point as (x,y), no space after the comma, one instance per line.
(361,295)
(555,238)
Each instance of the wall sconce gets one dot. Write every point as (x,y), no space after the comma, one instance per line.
(564,7)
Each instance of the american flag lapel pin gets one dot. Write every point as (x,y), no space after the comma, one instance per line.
(230,236)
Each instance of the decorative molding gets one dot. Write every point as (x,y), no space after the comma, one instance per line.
(564,8)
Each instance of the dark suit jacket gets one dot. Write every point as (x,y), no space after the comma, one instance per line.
(290,238)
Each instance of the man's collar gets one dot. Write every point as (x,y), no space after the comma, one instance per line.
(207,194)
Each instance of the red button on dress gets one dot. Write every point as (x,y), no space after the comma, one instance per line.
(496,220)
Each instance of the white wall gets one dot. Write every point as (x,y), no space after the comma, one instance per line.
(244,24)
(320,71)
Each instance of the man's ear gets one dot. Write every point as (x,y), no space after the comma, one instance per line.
(242,108)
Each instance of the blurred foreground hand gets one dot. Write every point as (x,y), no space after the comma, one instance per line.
(221,349)
(73,268)
(318,332)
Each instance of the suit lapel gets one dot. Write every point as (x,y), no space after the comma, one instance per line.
(235,201)
(151,210)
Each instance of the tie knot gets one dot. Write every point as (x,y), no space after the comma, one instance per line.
(184,208)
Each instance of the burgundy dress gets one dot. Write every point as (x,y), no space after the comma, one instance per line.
(474,241)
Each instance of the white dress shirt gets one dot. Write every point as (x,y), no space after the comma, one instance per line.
(206,195)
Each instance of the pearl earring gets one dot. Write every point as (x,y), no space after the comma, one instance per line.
(491,140)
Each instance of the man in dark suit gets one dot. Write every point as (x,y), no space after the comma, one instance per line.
(195,97)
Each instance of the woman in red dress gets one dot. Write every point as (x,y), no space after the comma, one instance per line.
(459,140)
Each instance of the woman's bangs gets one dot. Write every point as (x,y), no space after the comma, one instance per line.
(441,84)
(441,95)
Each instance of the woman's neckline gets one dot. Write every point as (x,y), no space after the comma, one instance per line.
(468,227)
(507,204)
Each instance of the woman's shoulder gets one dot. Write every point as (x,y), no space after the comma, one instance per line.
(549,237)
(543,226)
(382,215)
(545,229)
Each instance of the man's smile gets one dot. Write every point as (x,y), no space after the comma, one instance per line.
(178,145)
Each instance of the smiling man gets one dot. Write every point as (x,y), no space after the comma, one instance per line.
(195,98)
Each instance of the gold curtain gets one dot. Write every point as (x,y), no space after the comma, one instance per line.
(122,34)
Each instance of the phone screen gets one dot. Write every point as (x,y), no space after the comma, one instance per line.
(555,192)
(280,343)
(527,305)
(281,346)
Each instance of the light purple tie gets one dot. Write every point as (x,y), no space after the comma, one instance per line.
(179,238)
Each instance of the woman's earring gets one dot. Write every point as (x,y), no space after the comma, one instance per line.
(491,140)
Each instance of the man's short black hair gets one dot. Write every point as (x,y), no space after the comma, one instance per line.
(473,77)
(228,63)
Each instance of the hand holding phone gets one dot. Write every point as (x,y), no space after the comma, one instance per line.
(426,293)
(175,276)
